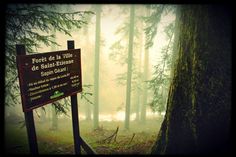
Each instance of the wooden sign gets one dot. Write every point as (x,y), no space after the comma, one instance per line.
(47,77)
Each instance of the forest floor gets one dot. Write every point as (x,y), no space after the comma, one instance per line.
(139,139)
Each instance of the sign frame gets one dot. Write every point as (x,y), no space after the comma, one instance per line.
(23,83)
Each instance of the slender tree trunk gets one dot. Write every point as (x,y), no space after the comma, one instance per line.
(129,67)
(198,119)
(96,68)
(145,78)
(88,111)
(139,63)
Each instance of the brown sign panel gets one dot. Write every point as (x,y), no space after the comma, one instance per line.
(47,77)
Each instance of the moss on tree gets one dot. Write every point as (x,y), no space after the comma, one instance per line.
(197,119)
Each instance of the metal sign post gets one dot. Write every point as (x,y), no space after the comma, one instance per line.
(29,116)
(74,110)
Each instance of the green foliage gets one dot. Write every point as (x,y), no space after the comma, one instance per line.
(153,19)
(63,106)
(26,22)
(152,22)
(119,49)
(161,78)
(32,25)
(158,84)
(169,30)
(136,79)
(118,52)
(87,92)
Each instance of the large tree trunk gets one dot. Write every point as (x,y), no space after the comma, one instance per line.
(96,68)
(129,67)
(197,119)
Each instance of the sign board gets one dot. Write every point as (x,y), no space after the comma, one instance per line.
(47,77)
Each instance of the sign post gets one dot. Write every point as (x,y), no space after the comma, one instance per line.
(45,78)
(29,117)
(75,115)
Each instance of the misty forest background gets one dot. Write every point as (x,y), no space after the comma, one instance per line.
(150,74)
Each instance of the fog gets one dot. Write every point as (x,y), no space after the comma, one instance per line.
(112,94)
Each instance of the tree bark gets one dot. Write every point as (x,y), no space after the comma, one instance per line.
(198,119)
